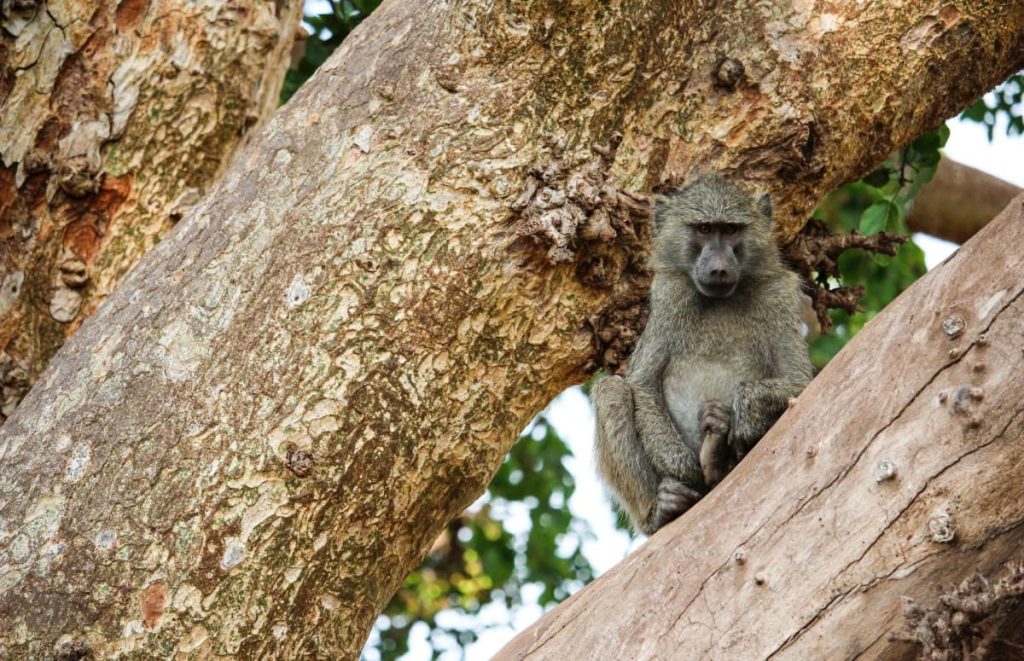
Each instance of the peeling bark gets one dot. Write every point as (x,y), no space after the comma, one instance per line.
(263,429)
(115,117)
(959,201)
(971,621)
(811,547)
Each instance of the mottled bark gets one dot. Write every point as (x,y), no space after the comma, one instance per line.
(959,201)
(898,473)
(268,423)
(115,117)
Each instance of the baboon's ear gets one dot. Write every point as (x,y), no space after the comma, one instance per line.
(764,205)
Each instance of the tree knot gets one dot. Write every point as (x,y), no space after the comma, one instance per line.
(572,212)
(728,73)
(965,623)
(615,331)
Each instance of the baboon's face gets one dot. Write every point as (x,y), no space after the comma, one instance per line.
(715,235)
(717,257)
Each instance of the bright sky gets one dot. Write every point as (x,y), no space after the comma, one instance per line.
(571,415)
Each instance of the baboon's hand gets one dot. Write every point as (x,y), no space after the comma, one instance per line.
(715,458)
(748,420)
(674,498)
(713,417)
(713,422)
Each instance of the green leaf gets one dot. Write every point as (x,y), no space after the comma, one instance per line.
(976,113)
(898,223)
(882,260)
(929,159)
(879,177)
(316,53)
(878,216)
(923,175)
(926,142)
(1015,127)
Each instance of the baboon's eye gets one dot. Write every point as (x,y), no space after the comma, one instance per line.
(704,228)
(730,229)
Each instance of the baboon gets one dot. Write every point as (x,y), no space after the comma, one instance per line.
(721,355)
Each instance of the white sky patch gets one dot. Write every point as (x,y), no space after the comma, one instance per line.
(1003,157)
(935,250)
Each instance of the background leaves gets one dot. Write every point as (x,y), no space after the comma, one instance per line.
(1007,101)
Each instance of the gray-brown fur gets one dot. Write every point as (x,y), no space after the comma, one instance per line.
(718,361)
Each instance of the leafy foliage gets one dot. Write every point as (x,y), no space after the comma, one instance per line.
(1006,100)
(892,187)
(878,202)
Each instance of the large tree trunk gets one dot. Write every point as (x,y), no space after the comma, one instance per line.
(115,117)
(899,473)
(959,201)
(264,428)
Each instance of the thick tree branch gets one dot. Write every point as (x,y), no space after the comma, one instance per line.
(264,428)
(810,547)
(959,201)
(115,118)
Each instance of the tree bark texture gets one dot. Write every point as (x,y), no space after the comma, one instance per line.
(267,424)
(898,473)
(959,201)
(115,117)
